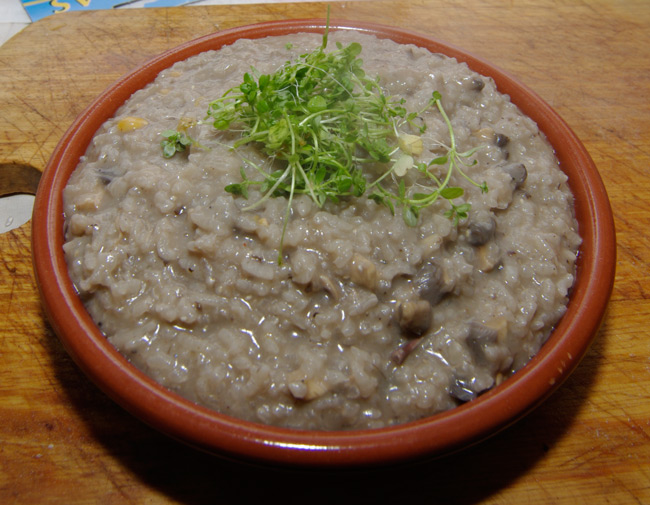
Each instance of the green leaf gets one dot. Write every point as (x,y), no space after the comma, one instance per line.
(221,124)
(278,134)
(377,197)
(235,189)
(174,141)
(354,49)
(321,172)
(450,193)
(390,206)
(411,215)
(169,150)
(464,208)
(359,184)
(316,104)
(344,184)
(377,149)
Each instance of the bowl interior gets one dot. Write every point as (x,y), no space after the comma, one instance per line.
(223,435)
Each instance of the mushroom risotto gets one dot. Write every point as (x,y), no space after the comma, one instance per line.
(227,253)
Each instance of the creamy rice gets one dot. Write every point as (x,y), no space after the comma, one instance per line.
(367,322)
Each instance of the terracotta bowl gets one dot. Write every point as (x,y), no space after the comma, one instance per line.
(226,436)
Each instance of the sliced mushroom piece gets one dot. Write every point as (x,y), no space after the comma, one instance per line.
(518,173)
(464,390)
(481,229)
(363,272)
(429,282)
(480,336)
(432,282)
(322,282)
(106,175)
(331,287)
(415,316)
(501,140)
(488,257)
(500,325)
(477,84)
(461,391)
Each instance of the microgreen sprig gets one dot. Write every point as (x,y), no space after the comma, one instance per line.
(330,132)
(174,141)
(177,141)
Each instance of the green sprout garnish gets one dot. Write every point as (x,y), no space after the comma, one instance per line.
(177,141)
(330,128)
(174,141)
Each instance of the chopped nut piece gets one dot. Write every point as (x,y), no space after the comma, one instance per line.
(90,201)
(303,388)
(131,123)
(262,221)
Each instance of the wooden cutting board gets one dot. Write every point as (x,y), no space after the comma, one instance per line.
(63,441)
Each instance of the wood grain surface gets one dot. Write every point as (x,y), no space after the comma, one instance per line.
(63,441)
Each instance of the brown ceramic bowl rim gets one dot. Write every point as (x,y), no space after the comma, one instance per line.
(220,434)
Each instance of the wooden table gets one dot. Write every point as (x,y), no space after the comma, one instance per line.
(63,441)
